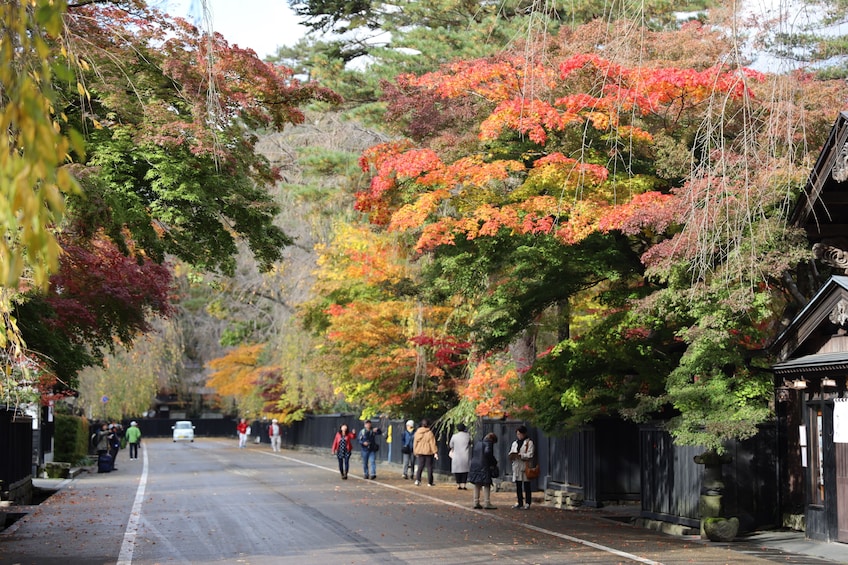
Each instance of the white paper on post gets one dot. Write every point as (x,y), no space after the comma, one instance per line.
(840,420)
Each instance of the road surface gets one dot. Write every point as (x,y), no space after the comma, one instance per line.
(210,502)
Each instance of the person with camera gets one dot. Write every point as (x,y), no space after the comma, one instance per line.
(369,448)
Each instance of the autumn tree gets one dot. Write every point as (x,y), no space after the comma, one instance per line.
(167,164)
(129,377)
(100,299)
(318,160)
(172,117)
(588,155)
(34,150)
(386,350)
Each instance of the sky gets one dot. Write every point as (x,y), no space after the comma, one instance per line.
(261,25)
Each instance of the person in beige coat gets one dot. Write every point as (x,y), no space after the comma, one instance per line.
(521,453)
(425,449)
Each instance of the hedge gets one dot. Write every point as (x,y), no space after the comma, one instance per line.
(70,439)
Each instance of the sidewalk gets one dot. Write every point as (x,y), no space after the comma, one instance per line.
(784,546)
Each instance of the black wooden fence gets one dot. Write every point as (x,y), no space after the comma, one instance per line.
(16,454)
(671,479)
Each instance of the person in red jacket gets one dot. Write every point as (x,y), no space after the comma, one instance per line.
(341,448)
(241,428)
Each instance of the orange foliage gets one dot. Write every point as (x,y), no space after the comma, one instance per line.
(238,372)
(533,118)
(494,80)
(649,210)
(490,383)
(411,187)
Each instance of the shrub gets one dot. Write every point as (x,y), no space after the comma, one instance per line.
(71,438)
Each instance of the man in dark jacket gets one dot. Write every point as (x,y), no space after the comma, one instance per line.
(115,443)
(407,458)
(369,446)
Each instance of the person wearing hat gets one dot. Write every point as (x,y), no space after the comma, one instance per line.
(275,434)
(133,437)
(406,442)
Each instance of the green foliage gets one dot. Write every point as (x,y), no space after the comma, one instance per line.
(71,438)
(320,161)
(716,391)
(511,280)
(189,194)
(600,373)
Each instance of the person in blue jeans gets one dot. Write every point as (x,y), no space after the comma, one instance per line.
(369,446)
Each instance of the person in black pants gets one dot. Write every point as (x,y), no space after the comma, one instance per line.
(521,454)
(425,449)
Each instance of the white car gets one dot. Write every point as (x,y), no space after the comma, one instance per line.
(183,430)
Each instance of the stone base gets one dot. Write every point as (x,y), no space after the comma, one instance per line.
(720,529)
(18,493)
(56,470)
(665,527)
(795,522)
(563,499)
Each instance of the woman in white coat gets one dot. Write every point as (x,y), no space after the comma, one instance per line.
(521,453)
(460,453)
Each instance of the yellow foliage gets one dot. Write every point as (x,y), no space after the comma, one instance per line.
(357,252)
(33,151)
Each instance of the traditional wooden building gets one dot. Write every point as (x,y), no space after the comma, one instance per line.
(812,404)
(810,376)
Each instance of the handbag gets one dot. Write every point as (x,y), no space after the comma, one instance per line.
(531,472)
(495,471)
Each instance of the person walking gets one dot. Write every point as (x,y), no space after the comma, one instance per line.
(369,448)
(521,453)
(275,435)
(241,429)
(425,449)
(342,445)
(133,437)
(483,470)
(406,444)
(460,454)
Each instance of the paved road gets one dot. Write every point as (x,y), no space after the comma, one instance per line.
(210,502)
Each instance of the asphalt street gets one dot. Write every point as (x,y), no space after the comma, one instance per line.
(211,502)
